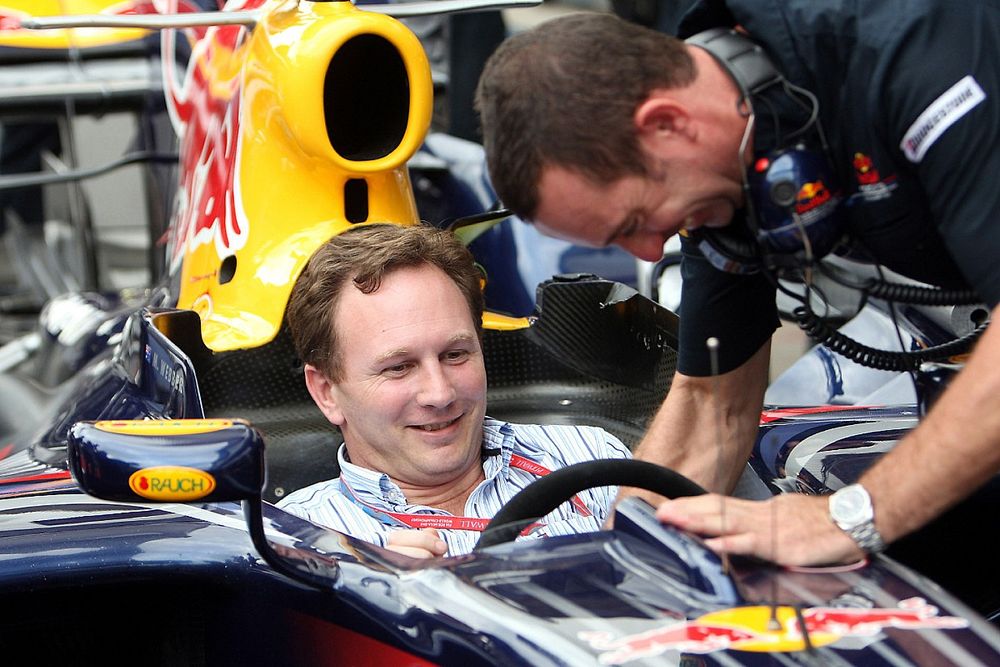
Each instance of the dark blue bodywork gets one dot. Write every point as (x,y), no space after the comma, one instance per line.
(185,583)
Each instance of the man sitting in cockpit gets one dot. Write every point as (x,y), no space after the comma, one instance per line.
(388,322)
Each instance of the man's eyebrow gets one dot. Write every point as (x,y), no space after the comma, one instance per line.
(391,354)
(461,337)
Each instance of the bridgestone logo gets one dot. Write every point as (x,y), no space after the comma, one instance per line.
(939,116)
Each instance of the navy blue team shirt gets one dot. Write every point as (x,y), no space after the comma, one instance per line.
(908,96)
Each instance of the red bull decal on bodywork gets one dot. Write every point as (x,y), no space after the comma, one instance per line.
(768,629)
(261,184)
(205,112)
(685,637)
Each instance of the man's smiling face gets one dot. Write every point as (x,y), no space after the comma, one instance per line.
(694,141)
(412,396)
(638,213)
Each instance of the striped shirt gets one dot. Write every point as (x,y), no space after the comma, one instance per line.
(552,447)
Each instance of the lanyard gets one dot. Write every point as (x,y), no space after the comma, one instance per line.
(450,521)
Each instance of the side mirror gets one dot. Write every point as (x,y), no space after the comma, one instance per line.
(179,461)
(185,460)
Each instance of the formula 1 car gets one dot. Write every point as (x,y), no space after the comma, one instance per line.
(143,439)
(177,571)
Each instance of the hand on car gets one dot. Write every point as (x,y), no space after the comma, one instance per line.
(796,527)
(422,543)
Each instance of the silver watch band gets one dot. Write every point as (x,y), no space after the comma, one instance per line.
(868,538)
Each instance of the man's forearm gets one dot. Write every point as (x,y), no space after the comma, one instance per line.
(954,450)
(706,426)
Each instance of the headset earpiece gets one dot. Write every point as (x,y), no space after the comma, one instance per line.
(793,200)
(796,203)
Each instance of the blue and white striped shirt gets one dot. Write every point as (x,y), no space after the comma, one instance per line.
(553,447)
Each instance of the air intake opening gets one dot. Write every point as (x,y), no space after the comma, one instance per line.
(356,200)
(227,271)
(366,98)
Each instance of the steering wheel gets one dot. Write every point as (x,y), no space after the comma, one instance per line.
(548,492)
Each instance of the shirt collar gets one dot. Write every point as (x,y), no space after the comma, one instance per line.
(497,436)
(376,488)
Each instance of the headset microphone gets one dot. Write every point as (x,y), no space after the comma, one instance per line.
(793,201)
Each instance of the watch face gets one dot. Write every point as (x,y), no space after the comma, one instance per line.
(851,509)
(850,506)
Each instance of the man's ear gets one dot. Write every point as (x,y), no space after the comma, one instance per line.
(660,116)
(324,394)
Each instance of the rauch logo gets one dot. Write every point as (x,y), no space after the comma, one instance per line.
(173,483)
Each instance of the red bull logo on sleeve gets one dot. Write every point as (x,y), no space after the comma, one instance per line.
(872,186)
(767,629)
(864,169)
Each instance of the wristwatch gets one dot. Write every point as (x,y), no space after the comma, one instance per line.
(851,509)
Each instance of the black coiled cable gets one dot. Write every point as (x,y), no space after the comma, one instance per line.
(919,294)
(907,360)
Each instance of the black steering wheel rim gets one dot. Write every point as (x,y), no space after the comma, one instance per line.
(548,492)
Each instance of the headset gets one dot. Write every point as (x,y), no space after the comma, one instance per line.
(794,211)
(793,199)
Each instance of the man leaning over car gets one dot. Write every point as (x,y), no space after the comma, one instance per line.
(604,132)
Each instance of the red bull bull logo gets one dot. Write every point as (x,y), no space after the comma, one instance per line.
(911,614)
(810,196)
(685,637)
(205,111)
(864,169)
(767,629)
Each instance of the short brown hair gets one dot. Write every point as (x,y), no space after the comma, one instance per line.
(364,255)
(564,93)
